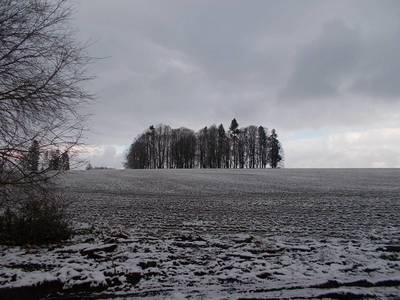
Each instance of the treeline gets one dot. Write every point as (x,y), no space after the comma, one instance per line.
(36,159)
(212,147)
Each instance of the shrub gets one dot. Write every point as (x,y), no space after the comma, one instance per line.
(39,218)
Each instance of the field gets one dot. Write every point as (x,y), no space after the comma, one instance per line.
(223,234)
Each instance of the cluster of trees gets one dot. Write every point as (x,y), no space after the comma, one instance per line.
(90,167)
(211,147)
(34,161)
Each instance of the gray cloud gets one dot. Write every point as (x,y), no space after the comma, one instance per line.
(323,67)
(378,76)
(286,64)
(346,60)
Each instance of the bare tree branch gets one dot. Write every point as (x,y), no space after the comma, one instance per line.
(42,74)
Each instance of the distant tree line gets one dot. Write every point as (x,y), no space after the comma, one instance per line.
(90,167)
(212,147)
(38,160)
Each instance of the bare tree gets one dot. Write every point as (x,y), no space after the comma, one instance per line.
(212,146)
(242,147)
(42,71)
(252,146)
(203,147)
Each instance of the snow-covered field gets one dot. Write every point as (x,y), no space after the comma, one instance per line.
(220,234)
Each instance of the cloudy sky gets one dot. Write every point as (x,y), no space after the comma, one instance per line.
(325,74)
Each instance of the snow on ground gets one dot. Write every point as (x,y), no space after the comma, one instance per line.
(220,234)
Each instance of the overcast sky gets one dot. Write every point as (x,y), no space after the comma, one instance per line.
(325,74)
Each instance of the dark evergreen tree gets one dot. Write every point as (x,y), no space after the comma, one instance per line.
(262,147)
(234,132)
(221,146)
(55,160)
(65,161)
(275,148)
(234,126)
(32,158)
(152,148)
